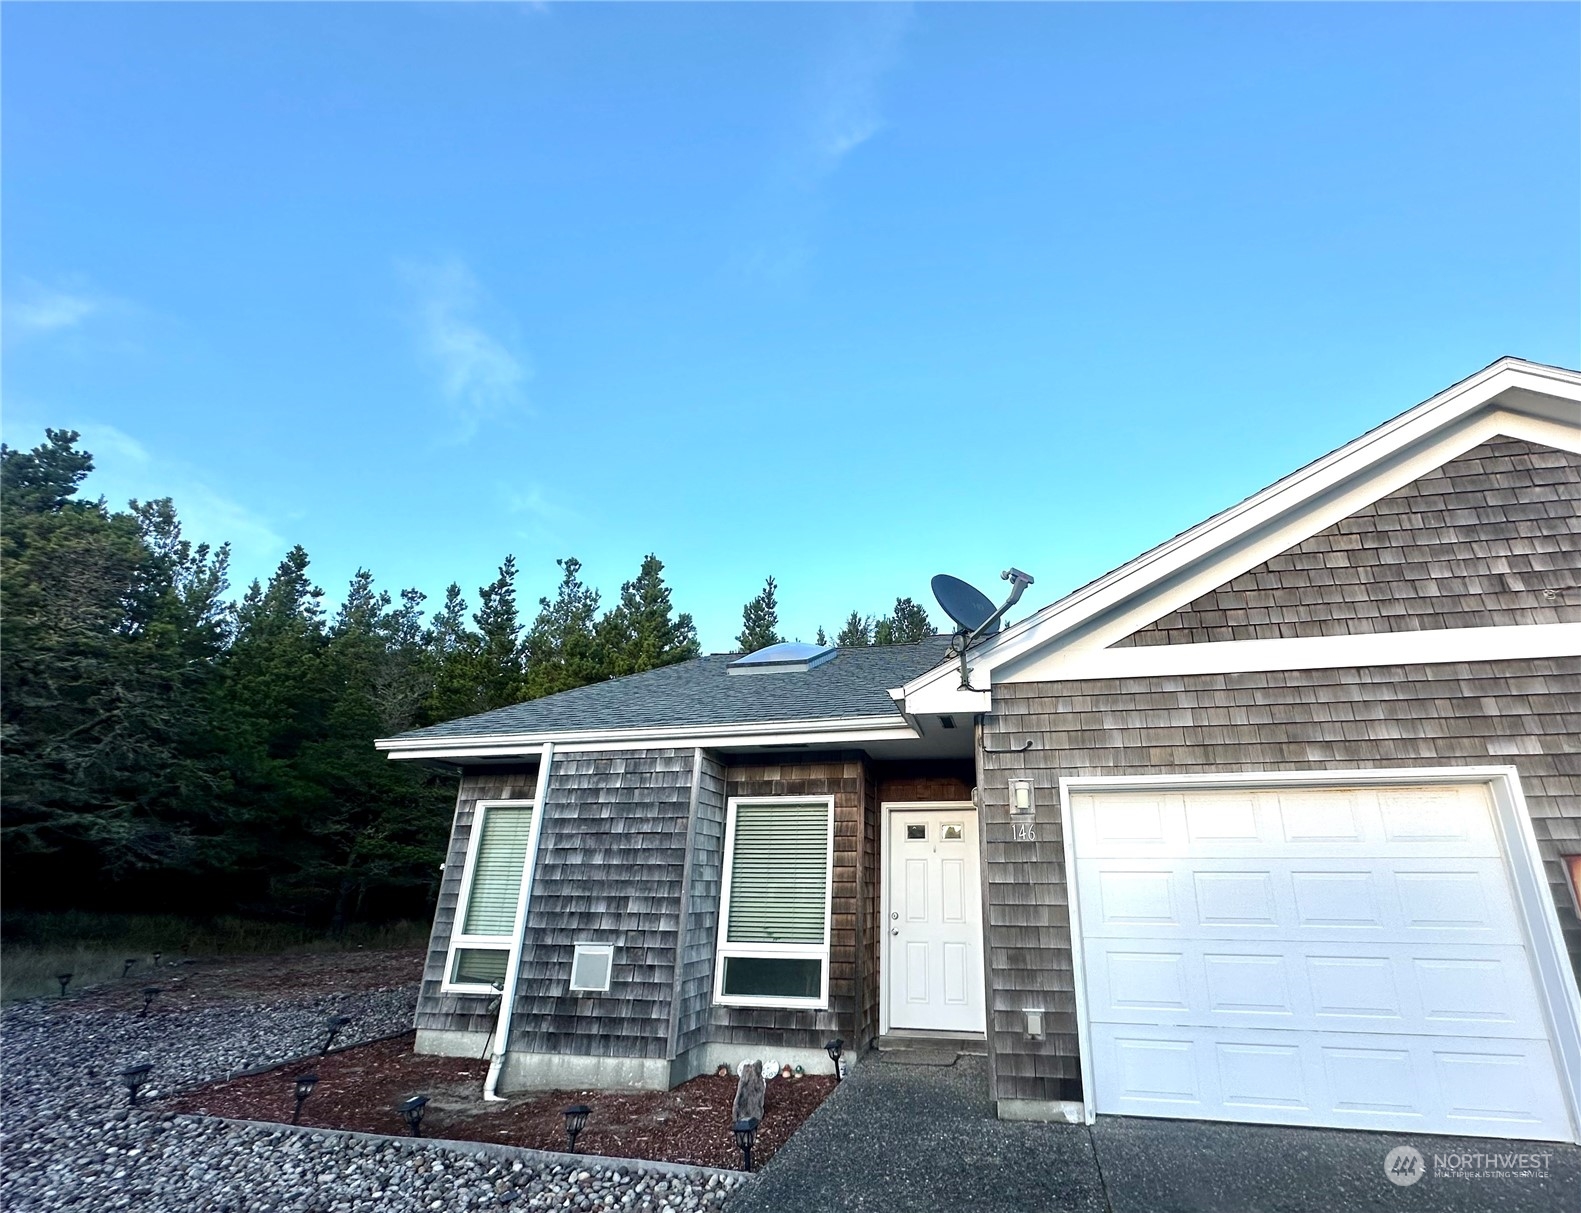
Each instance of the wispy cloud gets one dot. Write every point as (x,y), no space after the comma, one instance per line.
(539,515)
(480,373)
(842,112)
(845,108)
(108,443)
(35,310)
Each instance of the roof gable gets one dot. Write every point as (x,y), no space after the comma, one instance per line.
(1519,399)
(1489,538)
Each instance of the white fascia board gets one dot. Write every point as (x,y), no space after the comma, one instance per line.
(786,732)
(1430,647)
(1282,515)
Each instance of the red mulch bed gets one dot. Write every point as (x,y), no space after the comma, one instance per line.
(361,1088)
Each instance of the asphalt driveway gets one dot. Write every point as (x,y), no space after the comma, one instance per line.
(916,1137)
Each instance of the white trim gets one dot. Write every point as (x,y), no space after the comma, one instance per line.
(502,1025)
(1556,979)
(1512,397)
(1505,643)
(708,736)
(459,940)
(802,951)
(885,808)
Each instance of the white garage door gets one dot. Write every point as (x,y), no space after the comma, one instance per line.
(1346,957)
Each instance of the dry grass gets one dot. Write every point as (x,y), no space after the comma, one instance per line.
(94,948)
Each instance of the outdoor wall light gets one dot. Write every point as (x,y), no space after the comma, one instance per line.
(334,1024)
(134,1077)
(412,1112)
(149,994)
(746,1134)
(575,1121)
(834,1048)
(304,1087)
(65,980)
(1022,803)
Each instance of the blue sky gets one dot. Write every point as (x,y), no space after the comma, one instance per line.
(845,294)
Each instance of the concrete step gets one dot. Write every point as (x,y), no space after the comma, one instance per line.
(928,1048)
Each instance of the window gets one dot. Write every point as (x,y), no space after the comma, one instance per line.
(498,861)
(590,967)
(774,919)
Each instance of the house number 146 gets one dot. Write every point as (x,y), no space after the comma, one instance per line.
(1023,831)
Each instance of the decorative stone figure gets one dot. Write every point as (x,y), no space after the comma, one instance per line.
(749,1092)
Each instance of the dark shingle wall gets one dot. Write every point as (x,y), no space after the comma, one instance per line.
(464,1012)
(610,860)
(1493,537)
(1521,713)
(701,926)
(845,779)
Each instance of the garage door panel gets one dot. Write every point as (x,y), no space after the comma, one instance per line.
(1459,1085)
(1350,957)
(1433,899)
(1432,821)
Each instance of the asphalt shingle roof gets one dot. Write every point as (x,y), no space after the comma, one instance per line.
(701,691)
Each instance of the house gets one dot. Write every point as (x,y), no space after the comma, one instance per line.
(1270,824)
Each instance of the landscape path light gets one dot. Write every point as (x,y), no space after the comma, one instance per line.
(65,980)
(746,1134)
(304,1087)
(335,1023)
(575,1121)
(149,994)
(834,1048)
(126,966)
(134,1077)
(412,1112)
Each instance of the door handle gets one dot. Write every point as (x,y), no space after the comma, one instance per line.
(894,930)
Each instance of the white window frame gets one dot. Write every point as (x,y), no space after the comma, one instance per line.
(772,951)
(506,943)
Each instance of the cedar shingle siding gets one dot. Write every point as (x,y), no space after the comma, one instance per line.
(1472,544)
(631,853)
(610,860)
(846,779)
(1521,713)
(702,914)
(464,1012)
(1476,542)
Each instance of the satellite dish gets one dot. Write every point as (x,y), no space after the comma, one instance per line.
(964,603)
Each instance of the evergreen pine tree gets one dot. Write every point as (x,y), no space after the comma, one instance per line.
(857,632)
(639,633)
(760,621)
(562,647)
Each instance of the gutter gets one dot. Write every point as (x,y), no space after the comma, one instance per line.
(502,1028)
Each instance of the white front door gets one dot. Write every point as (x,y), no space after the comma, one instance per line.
(933,920)
(1346,956)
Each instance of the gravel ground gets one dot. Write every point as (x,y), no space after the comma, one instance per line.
(69,1141)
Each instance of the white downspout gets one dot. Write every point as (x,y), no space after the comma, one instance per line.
(502,1028)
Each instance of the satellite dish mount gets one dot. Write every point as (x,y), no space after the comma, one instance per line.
(974,613)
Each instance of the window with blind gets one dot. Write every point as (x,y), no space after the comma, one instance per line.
(497,861)
(774,919)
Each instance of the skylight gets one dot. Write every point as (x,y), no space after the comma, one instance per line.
(793,656)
